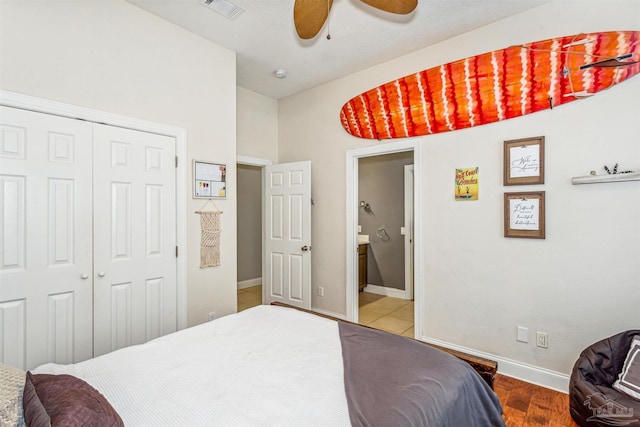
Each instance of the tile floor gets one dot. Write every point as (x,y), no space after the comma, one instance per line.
(389,314)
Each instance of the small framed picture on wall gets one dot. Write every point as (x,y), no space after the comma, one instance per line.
(209,180)
(524,215)
(524,161)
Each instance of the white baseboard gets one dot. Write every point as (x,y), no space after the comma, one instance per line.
(249,283)
(512,368)
(387,292)
(329,313)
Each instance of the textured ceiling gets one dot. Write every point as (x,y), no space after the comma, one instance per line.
(264,37)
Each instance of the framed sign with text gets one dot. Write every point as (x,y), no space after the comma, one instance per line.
(524,161)
(524,215)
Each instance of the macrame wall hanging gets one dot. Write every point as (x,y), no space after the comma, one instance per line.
(210,222)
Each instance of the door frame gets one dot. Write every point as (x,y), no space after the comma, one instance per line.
(409,173)
(55,108)
(261,163)
(352,157)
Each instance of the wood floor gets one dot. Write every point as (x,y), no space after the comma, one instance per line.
(524,404)
(528,405)
(249,297)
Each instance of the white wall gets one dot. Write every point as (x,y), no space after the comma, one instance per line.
(580,284)
(257,125)
(112,56)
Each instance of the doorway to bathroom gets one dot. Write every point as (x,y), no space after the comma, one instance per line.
(354,158)
(385,240)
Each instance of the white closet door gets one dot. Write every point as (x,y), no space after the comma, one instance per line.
(134,237)
(45,230)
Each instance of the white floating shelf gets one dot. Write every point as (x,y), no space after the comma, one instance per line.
(617,177)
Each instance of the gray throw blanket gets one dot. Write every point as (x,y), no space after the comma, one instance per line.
(395,381)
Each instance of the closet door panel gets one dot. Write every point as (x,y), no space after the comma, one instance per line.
(61,221)
(135,237)
(46,231)
(12,193)
(121,220)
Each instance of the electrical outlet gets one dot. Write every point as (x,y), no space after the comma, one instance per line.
(522,334)
(542,339)
(212,315)
(320,291)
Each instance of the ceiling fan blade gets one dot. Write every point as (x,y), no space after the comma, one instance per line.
(309,16)
(401,7)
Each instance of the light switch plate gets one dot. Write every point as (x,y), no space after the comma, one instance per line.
(522,334)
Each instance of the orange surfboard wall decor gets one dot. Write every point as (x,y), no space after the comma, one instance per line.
(494,86)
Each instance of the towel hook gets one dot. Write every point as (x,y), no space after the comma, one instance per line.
(382,234)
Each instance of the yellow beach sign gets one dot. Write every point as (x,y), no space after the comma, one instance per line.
(466,184)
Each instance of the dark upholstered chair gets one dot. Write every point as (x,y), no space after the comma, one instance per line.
(592,400)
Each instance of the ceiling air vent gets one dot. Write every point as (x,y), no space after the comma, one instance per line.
(224,7)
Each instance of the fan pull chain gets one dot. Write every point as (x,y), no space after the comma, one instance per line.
(328,18)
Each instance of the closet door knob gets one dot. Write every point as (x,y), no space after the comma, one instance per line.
(85,276)
(101,274)
(305,248)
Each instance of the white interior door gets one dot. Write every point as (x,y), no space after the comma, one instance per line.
(134,237)
(287,228)
(45,229)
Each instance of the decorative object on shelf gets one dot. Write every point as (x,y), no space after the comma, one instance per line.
(523,161)
(615,170)
(209,180)
(524,215)
(494,86)
(467,184)
(210,224)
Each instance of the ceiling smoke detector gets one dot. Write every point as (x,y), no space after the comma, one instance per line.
(280,73)
(224,8)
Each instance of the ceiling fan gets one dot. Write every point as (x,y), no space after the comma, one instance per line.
(310,15)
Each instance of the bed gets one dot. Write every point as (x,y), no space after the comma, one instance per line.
(276,366)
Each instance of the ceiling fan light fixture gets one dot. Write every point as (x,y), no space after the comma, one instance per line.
(280,73)
(224,8)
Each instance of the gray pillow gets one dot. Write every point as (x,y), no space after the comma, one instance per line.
(628,381)
(11,385)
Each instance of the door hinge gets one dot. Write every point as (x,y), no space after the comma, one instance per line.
(176,161)
(176,252)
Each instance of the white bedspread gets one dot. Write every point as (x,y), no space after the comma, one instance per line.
(266,366)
